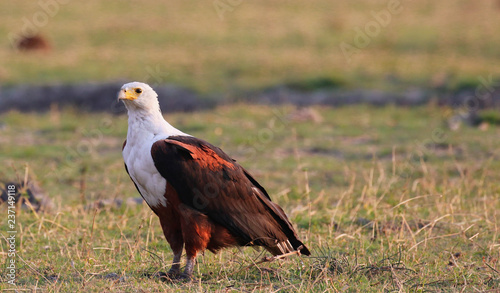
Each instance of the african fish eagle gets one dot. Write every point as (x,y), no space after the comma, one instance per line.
(204,199)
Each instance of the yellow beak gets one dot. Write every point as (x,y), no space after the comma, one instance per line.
(127,95)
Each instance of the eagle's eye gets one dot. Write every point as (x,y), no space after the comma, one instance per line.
(138,90)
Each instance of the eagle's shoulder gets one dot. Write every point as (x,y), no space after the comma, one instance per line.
(206,155)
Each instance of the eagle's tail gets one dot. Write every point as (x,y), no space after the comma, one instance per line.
(288,246)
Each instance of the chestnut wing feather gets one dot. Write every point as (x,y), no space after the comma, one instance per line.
(209,181)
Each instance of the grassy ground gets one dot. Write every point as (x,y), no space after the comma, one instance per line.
(254,44)
(387,199)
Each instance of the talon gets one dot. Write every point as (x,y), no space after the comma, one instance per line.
(172,273)
(184,277)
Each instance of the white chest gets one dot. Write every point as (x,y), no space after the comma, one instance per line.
(140,165)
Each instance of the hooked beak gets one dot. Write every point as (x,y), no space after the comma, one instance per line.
(126,95)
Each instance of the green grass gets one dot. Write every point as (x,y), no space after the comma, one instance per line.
(257,44)
(382,205)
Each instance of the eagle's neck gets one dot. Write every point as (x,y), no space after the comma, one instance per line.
(146,125)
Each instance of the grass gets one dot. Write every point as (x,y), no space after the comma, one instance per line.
(256,44)
(382,200)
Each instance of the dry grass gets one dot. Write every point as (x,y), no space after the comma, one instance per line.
(381,210)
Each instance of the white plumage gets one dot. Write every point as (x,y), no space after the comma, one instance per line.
(146,126)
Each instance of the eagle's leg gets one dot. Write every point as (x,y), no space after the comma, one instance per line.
(171,227)
(188,270)
(196,232)
(175,269)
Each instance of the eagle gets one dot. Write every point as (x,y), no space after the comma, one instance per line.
(203,198)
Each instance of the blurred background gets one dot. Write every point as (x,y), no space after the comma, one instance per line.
(226,47)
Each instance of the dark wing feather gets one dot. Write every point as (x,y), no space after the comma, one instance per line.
(209,181)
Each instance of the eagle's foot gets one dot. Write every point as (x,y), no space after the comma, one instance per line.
(172,276)
(173,273)
(184,277)
(188,270)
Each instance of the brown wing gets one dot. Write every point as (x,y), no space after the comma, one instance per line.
(209,181)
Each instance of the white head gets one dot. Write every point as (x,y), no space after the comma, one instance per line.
(139,96)
(144,110)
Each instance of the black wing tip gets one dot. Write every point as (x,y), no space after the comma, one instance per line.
(304,250)
(300,247)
